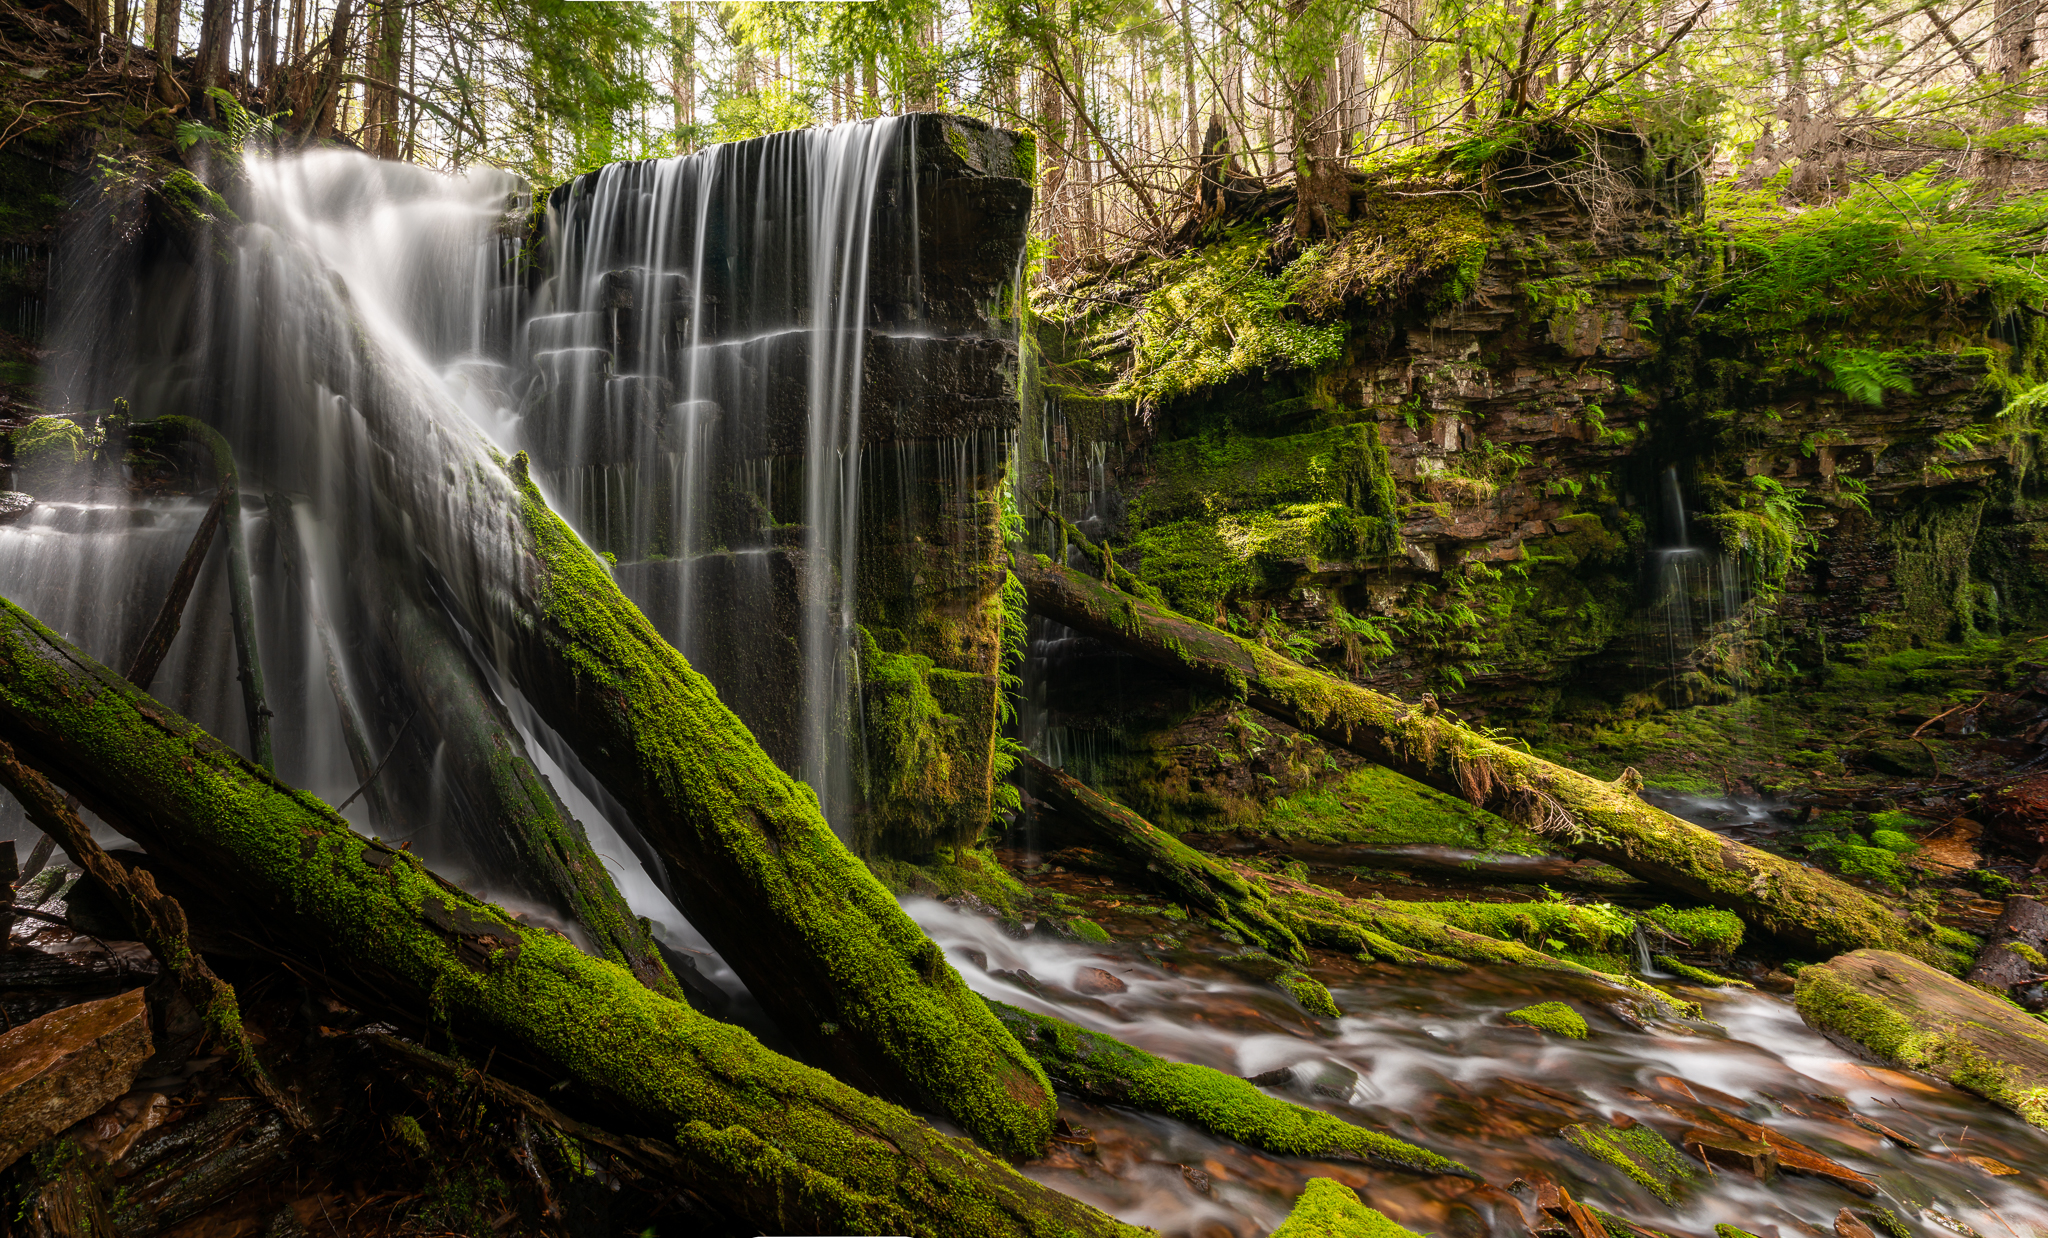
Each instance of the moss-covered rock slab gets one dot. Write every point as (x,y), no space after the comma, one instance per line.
(1907,1014)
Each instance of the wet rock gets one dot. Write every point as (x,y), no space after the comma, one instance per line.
(65,1065)
(1724,1149)
(1096,982)
(2014,960)
(1904,758)
(13,503)
(977,957)
(1641,1153)
(1198,1180)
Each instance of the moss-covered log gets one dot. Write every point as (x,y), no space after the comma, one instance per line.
(1106,1070)
(389,934)
(1908,1014)
(1802,907)
(1162,862)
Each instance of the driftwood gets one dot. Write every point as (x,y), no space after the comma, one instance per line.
(56,1070)
(1905,1013)
(2014,960)
(1806,909)
(377,928)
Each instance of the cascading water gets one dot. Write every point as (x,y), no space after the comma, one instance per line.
(695,397)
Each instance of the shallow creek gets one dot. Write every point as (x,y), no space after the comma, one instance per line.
(1431,1058)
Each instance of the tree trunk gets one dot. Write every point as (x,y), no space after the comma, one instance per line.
(380,101)
(1107,1071)
(1807,909)
(1909,1015)
(781,1144)
(216,23)
(168,92)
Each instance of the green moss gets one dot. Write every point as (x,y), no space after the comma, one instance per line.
(1703,928)
(1725,1230)
(1327,1208)
(406,1130)
(1870,863)
(1893,841)
(1554,1017)
(1637,1151)
(1593,934)
(710,799)
(2028,953)
(1374,805)
(1088,930)
(1698,975)
(1896,821)
(1106,1070)
(489,978)
(48,453)
(1310,992)
(906,772)
(952,871)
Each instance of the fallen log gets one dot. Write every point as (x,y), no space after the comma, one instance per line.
(379,929)
(1171,866)
(833,959)
(2014,960)
(1906,1014)
(171,615)
(1462,863)
(1387,930)
(1806,909)
(1107,1071)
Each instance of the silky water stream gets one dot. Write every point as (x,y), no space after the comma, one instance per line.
(1431,1058)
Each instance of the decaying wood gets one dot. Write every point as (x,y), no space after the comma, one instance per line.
(61,1067)
(156,919)
(1166,865)
(378,928)
(1459,863)
(1802,907)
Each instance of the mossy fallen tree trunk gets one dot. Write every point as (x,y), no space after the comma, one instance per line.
(778,1143)
(1386,930)
(1106,1070)
(1807,910)
(1907,1014)
(1167,865)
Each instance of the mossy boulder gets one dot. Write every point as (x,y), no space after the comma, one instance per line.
(1329,1209)
(1556,1018)
(1644,1155)
(50,456)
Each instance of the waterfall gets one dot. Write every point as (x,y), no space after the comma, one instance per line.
(694,395)
(686,372)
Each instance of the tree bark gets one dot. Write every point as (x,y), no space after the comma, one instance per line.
(375,924)
(142,671)
(1804,908)
(1171,866)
